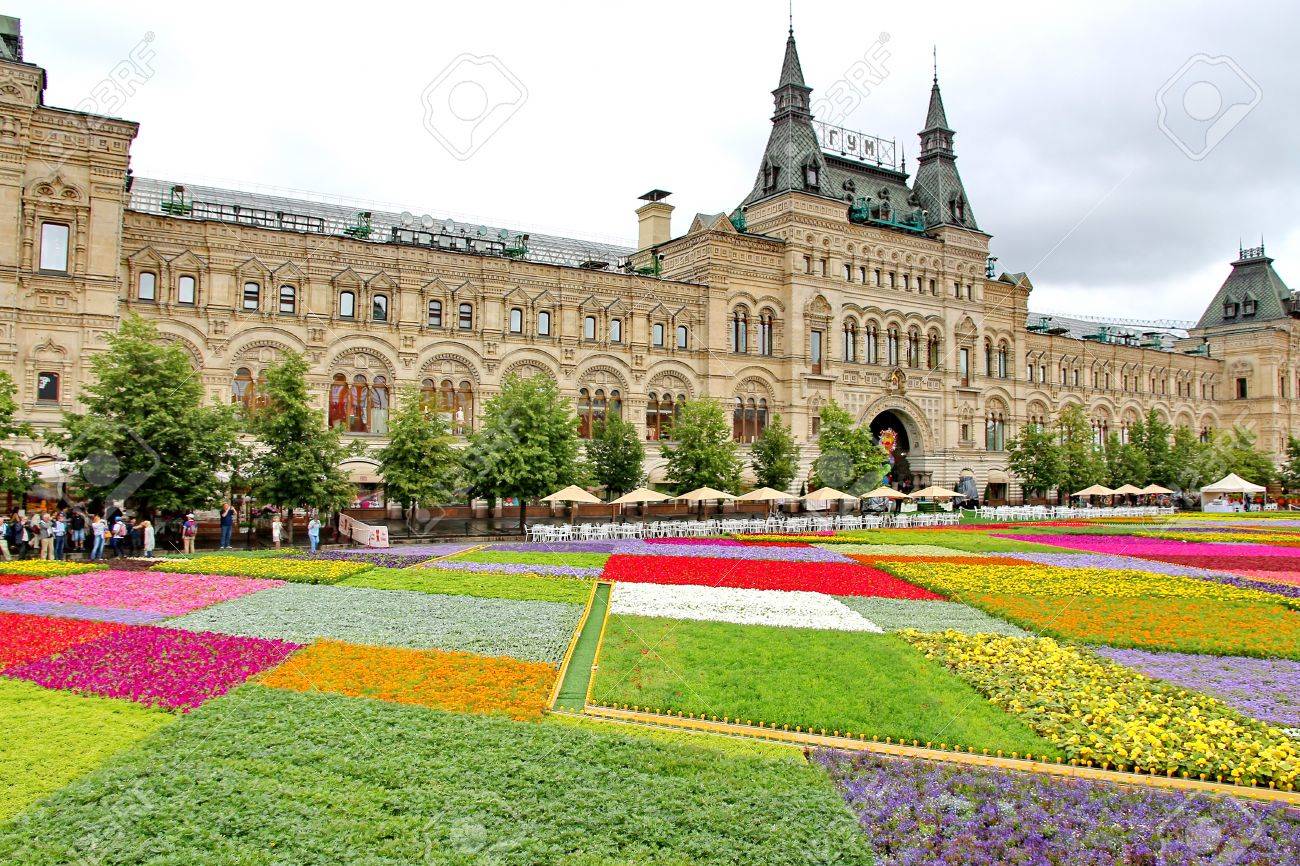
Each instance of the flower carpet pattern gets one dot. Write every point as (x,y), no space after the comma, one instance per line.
(514,568)
(163,667)
(528,630)
(457,681)
(525,587)
(920,812)
(897,614)
(724,604)
(162,593)
(830,578)
(24,637)
(81,611)
(10,579)
(1104,713)
(269,567)
(1127,545)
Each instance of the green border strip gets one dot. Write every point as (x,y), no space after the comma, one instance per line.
(576,678)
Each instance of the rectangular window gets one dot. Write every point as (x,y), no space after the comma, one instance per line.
(815,351)
(616,330)
(963,367)
(1242,388)
(435,314)
(54,247)
(466,317)
(147,287)
(544,323)
(252,294)
(877,276)
(185,291)
(47,387)
(657,335)
(807,264)
(933,290)
(589,327)
(288,300)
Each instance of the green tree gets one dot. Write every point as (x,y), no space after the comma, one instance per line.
(849,461)
(1152,437)
(527,446)
(1290,474)
(146,437)
(616,456)
(1125,463)
(297,465)
(703,453)
(1081,464)
(15,476)
(775,456)
(420,463)
(1034,456)
(1196,463)
(1235,451)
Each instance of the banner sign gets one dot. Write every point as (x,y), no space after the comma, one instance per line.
(363,533)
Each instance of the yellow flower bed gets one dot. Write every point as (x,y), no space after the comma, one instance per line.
(1101,712)
(47,567)
(271,567)
(1249,536)
(1036,579)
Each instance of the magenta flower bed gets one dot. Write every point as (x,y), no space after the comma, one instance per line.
(725,542)
(1127,545)
(156,666)
(161,592)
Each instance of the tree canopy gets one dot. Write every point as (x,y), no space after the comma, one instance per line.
(775,456)
(616,456)
(1034,456)
(420,464)
(850,460)
(703,453)
(15,476)
(1081,464)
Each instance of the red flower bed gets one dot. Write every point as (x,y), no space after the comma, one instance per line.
(24,637)
(832,578)
(7,579)
(1229,560)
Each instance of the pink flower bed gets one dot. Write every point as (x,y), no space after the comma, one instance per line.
(1291,578)
(161,592)
(162,667)
(1128,545)
(724,542)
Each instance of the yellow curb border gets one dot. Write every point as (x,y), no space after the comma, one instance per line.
(1290,798)
(573,644)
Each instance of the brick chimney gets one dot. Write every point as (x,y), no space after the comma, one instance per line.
(654,219)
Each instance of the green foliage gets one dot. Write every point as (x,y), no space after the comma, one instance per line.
(866,683)
(528,445)
(298,465)
(52,737)
(420,465)
(1081,464)
(703,453)
(1152,437)
(511,557)
(775,456)
(741,747)
(1034,456)
(479,584)
(145,435)
(1193,459)
(849,461)
(1126,463)
(616,456)
(322,779)
(1290,474)
(1235,451)
(15,477)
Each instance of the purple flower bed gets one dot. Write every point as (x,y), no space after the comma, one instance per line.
(771,553)
(516,568)
(556,547)
(1154,566)
(725,542)
(923,812)
(81,611)
(1265,689)
(156,666)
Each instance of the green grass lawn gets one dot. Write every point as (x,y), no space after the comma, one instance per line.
(52,737)
(268,776)
(580,560)
(969,540)
(847,681)
(481,584)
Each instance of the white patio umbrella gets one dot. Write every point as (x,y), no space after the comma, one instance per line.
(765,494)
(1155,489)
(935,492)
(884,493)
(572,493)
(640,496)
(828,494)
(1128,490)
(1096,490)
(703,494)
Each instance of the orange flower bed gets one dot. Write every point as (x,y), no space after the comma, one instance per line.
(456,681)
(867,559)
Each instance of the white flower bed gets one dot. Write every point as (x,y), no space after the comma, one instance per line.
(744,606)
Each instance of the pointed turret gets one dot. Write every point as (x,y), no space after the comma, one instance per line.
(1253,292)
(938,185)
(793,158)
(791,71)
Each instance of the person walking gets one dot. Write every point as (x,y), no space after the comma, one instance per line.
(189,530)
(60,531)
(96,537)
(313,532)
(147,538)
(133,540)
(227,524)
(277,529)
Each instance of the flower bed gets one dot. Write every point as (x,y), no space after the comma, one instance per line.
(1034,579)
(554,547)
(896,614)
(752,552)
(903,550)
(455,681)
(381,558)
(165,593)
(1282,564)
(526,587)
(1248,535)
(1232,577)
(48,567)
(81,611)
(1127,545)
(924,812)
(53,737)
(566,559)
(462,566)
(1100,712)
(163,667)
(953,538)
(723,604)
(11,579)
(979,559)
(824,577)
(720,542)
(1264,689)
(25,637)
(530,630)
(1195,625)
(272,568)
(1282,578)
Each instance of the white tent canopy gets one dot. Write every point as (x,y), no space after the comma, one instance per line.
(1128,489)
(1156,488)
(1232,483)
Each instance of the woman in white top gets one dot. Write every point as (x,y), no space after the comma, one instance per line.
(277,529)
(146,532)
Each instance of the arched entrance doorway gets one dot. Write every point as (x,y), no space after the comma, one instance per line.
(889,430)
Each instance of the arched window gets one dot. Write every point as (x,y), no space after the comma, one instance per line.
(1002,361)
(463,415)
(615,404)
(616,330)
(379,406)
(347,305)
(516,320)
(147,286)
(933,344)
(652,416)
(544,323)
(185,290)
(465,316)
(871,352)
(252,296)
(435,314)
(589,327)
(359,417)
(995,430)
(657,335)
(740,330)
(242,390)
(988,357)
(683,337)
(584,413)
(660,411)
(288,300)
(340,408)
(766,331)
(379,308)
(913,347)
(850,340)
(748,418)
(429,395)
(891,347)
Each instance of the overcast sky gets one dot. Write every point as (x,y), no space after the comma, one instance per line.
(591,104)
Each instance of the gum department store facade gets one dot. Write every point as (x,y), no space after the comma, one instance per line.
(834,278)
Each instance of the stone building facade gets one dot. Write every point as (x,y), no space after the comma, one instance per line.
(838,277)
